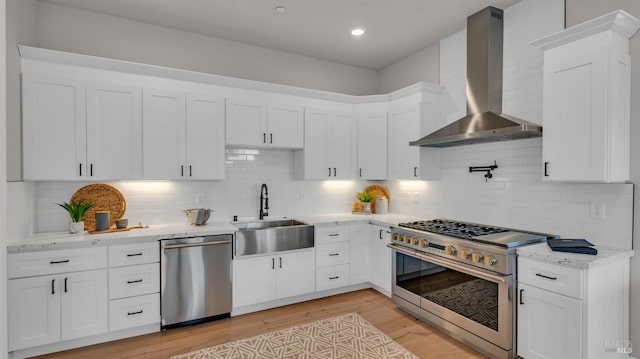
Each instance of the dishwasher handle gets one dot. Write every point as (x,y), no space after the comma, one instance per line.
(201,244)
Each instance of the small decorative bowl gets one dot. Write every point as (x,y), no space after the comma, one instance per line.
(122,223)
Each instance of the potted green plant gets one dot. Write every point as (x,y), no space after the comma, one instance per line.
(76,212)
(365,197)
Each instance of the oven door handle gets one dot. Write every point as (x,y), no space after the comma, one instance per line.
(451,264)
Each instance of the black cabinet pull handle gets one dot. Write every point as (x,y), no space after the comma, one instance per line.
(65,284)
(134,254)
(334,234)
(333,254)
(334,172)
(546,276)
(53,289)
(361,172)
(280,258)
(415,171)
(521,291)
(81,170)
(329,171)
(264,137)
(134,281)
(91,170)
(332,278)
(181,170)
(190,173)
(546,169)
(58,262)
(271,138)
(134,313)
(273,263)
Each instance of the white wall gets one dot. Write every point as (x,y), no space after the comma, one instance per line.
(421,66)
(579,11)
(3,188)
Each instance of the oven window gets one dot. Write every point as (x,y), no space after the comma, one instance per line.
(469,296)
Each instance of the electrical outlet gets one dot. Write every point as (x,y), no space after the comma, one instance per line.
(597,210)
(200,201)
(416,197)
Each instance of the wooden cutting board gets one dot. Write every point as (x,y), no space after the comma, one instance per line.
(104,198)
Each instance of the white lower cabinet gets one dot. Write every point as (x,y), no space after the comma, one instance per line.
(380,260)
(332,277)
(264,278)
(566,312)
(361,240)
(48,309)
(134,312)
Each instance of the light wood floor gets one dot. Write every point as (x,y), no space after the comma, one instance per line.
(379,310)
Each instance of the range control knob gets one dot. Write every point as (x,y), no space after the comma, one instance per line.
(422,243)
(490,260)
(414,241)
(463,255)
(394,236)
(450,251)
(475,257)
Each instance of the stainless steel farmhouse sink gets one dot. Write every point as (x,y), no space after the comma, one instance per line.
(261,237)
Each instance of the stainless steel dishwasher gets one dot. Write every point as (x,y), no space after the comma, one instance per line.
(195,279)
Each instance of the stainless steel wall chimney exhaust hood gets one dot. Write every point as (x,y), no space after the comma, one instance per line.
(484,121)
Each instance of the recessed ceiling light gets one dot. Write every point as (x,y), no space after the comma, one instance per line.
(358,31)
(280,9)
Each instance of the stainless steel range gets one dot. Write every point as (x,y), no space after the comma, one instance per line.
(461,278)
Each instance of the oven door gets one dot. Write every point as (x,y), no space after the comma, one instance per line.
(476,300)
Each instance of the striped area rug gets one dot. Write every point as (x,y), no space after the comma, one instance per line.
(345,336)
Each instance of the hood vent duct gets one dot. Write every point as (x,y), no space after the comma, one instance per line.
(484,121)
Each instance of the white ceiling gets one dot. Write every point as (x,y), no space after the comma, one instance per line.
(316,28)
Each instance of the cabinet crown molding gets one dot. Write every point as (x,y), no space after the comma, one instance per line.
(618,21)
(102,63)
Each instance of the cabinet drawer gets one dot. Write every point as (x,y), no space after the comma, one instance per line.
(555,278)
(135,280)
(332,277)
(332,234)
(134,312)
(332,254)
(58,261)
(131,254)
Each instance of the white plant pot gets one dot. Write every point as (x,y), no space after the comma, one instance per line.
(366,206)
(76,227)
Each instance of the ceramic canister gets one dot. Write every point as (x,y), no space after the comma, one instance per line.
(102,220)
(382,205)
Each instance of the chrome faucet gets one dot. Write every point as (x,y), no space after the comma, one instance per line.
(264,201)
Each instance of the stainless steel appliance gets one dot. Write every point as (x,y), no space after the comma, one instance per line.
(485,121)
(461,278)
(195,279)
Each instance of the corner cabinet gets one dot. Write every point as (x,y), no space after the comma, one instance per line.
(330,146)
(183,135)
(586,100)
(372,146)
(568,312)
(80,130)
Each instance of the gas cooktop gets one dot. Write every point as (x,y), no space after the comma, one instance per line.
(493,235)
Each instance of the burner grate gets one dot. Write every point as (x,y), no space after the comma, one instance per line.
(451,228)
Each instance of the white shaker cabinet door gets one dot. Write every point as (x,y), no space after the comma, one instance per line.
(34,315)
(316,141)
(296,273)
(360,249)
(549,325)
(85,304)
(342,145)
(380,263)
(114,131)
(254,280)
(246,122)
(205,137)
(286,126)
(372,146)
(163,132)
(404,127)
(54,128)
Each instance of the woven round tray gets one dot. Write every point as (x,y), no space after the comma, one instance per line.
(104,198)
(377,191)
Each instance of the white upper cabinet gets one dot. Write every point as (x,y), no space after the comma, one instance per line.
(330,146)
(372,146)
(255,123)
(404,127)
(586,100)
(182,135)
(54,127)
(114,131)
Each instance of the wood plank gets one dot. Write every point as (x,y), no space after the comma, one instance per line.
(416,336)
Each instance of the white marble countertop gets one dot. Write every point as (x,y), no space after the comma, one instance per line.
(63,240)
(541,252)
